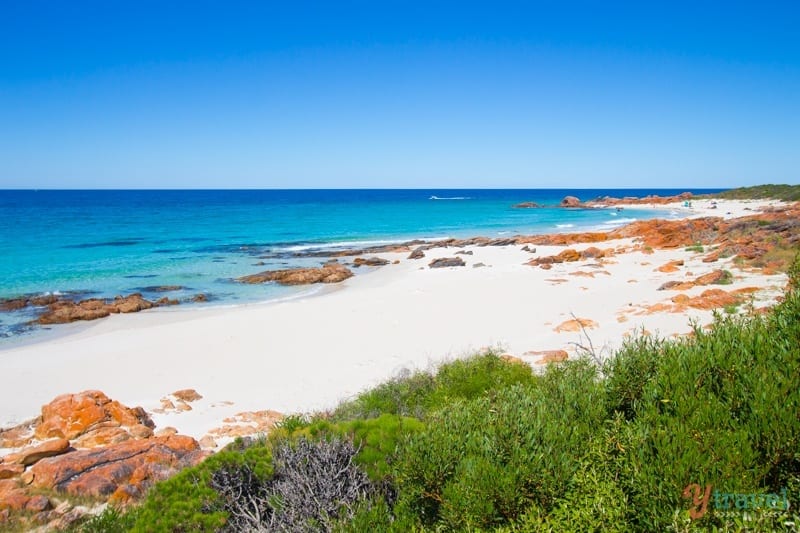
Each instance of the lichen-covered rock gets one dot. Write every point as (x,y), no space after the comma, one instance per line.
(100,472)
(31,455)
(8,471)
(71,415)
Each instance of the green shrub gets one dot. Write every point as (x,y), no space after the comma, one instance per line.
(718,409)
(417,394)
(480,463)
(187,502)
(376,438)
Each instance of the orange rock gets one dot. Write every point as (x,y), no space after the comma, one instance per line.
(570,201)
(507,357)
(569,255)
(746,290)
(672,266)
(102,436)
(15,500)
(130,304)
(187,395)
(8,471)
(712,277)
(680,299)
(576,325)
(714,298)
(549,356)
(593,253)
(17,436)
(661,308)
(100,472)
(29,456)
(248,423)
(71,415)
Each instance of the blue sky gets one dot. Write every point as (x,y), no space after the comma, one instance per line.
(398,94)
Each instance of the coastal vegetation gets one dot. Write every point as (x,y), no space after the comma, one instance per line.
(788,193)
(689,434)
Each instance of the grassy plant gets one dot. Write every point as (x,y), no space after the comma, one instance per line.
(697,248)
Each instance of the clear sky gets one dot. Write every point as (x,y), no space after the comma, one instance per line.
(140,94)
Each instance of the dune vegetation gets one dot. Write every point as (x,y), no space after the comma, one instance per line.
(690,434)
(788,193)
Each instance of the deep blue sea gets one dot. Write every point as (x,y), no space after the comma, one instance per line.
(104,243)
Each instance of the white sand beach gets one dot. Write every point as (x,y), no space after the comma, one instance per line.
(312,352)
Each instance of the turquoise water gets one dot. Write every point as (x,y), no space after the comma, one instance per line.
(104,243)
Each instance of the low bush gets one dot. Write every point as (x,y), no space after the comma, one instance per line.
(188,502)
(482,462)
(419,393)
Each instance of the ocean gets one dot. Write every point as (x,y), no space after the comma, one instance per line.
(102,243)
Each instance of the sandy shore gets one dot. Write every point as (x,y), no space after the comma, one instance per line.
(310,353)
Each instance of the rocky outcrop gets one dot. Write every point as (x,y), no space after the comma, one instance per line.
(64,311)
(120,471)
(328,273)
(92,447)
(71,415)
(526,205)
(571,201)
(444,262)
(633,200)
